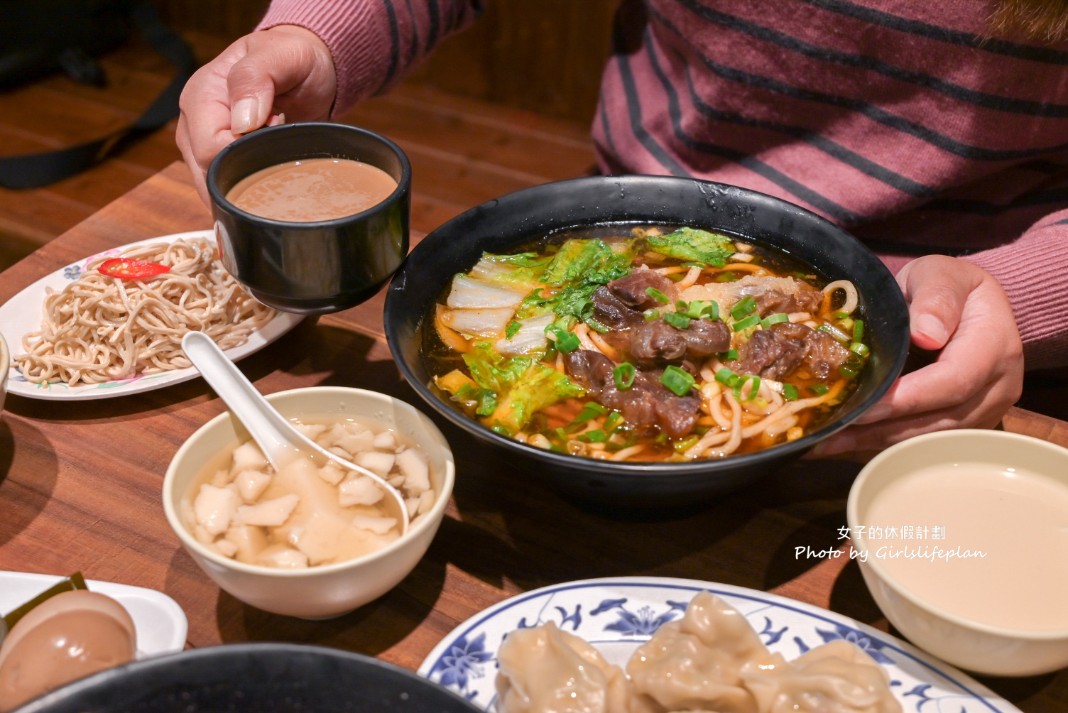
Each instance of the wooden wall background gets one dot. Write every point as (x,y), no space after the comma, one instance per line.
(539,55)
(539,58)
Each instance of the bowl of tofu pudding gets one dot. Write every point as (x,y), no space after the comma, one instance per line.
(962,540)
(306,541)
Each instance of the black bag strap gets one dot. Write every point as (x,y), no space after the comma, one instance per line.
(39,169)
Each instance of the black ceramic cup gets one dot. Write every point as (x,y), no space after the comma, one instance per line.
(311,267)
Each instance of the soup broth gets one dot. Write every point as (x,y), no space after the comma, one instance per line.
(646,343)
(304,516)
(312,189)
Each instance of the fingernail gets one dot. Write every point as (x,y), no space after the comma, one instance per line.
(241,115)
(932,327)
(878,412)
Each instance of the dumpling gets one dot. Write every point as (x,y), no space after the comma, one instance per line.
(834,678)
(546,670)
(696,663)
(710,660)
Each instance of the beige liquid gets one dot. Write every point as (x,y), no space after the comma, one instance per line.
(324,527)
(312,190)
(1008,529)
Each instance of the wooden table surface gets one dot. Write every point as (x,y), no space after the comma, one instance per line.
(80,490)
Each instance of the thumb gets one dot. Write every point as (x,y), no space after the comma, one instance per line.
(937,288)
(251,90)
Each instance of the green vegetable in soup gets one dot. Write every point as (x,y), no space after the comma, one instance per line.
(520,387)
(693,245)
(589,262)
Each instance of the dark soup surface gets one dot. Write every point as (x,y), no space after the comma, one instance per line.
(646,343)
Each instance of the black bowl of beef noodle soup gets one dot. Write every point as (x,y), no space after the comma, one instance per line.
(646,342)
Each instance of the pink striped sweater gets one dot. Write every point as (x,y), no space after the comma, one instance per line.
(892,118)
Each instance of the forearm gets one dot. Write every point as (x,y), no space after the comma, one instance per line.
(1033,270)
(373,41)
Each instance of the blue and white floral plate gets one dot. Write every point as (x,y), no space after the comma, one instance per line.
(616,615)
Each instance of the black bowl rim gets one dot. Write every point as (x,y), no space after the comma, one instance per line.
(755,460)
(47,701)
(219,196)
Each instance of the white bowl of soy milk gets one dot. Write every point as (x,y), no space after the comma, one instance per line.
(962,540)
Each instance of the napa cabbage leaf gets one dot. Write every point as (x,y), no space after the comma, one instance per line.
(693,245)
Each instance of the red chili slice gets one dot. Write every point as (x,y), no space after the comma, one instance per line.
(129,269)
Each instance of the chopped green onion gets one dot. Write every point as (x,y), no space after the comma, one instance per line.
(839,335)
(860,349)
(698,308)
(819,389)
(858,330)
(743,307)
(727,276)
(596,325)
(623,375)
(685,444)
(657,295)
(651,314)
(740,385)
(597,435)
(724,376)
(676,320)
(677,380)
(730,355)
(564,340)
(774,319)
(848,371)
(750,321)
(840,315)
(614,419)
(591,409)
(789,392)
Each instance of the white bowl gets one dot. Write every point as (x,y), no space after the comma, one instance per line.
(945,611)
(325,591)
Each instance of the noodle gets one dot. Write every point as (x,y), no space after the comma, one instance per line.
(582,331)
(602,346)
(850,290)
(101,328)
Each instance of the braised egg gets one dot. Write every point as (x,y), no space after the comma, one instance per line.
(66,637)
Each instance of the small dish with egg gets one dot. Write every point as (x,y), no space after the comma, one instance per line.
(310,543)
(962,540)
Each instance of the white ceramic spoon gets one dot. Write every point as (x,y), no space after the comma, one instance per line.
(279,440)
